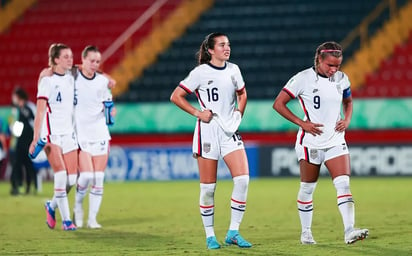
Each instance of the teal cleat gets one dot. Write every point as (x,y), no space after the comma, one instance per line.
(233,237)
(212,243)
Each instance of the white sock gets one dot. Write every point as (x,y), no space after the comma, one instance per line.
(305,204)
(96,194)
(345,201)
(207,207)
(53,203)
(71,180)
(85,178)
(60,195)
(238,200)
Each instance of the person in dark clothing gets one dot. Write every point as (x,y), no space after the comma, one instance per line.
(21,159)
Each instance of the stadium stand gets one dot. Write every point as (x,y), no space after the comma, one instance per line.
(23,48)
(271,40)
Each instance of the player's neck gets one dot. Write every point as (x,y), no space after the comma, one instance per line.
(88,74)
(59,70)
(218,63)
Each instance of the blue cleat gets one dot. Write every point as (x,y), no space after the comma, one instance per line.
(51,215)
(233,237)
(68,225)
(211,243)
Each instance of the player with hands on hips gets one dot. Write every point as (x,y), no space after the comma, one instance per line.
(218,85)
(53,124)
(323,91)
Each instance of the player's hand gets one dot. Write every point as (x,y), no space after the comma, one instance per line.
(32,146)
(312,128)
(112,83)
(113,112)
(205,115)
(341,125)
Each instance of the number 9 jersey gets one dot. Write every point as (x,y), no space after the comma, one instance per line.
(215,88)
(58,90)
(321,100)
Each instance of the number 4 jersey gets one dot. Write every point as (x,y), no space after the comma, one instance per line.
(321,100)
(58,90)
(215,88)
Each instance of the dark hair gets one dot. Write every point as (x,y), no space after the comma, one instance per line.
(203,55)
(21,94)
(54,52)
(89,48)
(326,49)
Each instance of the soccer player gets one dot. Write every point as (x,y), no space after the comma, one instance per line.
(54,123)
(322,90)
(93,134)
(218,84)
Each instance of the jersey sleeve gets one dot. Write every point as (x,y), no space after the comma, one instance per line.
(107,93)
(237,79)
(191,82)
(294,86)
(44,89)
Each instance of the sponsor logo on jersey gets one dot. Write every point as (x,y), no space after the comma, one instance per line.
(209,82)
(206,147)
(315,90)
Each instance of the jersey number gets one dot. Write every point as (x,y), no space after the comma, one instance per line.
(316,102)
(212,94)
(59,97)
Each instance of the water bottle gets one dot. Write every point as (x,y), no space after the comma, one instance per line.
(108,106)
(39,146)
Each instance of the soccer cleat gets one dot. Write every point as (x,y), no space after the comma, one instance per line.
(355,235)
(233,237)
(307,238)
(68,225)
(51,215)
(78,217)
(93,224)
(212,243)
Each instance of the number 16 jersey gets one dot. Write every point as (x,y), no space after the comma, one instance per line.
(215,88)
(321,100)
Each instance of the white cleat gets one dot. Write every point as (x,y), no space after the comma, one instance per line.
(93,224)
(307,238)
(356,235)
(78,217)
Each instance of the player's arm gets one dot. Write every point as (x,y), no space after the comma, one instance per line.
(45,72)
(3,141)
(241,100)
(347,114)
(178,97)
(40,110)
(280,106)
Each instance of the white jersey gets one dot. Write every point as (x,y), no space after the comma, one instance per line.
(58,90)
(321,100)
(89,109)
(216,89)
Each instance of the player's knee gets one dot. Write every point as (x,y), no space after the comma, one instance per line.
(71,179)
(307,187)
(242,182)
(207,193)
(342,182)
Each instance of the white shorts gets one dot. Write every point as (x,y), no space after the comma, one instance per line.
(210,141)
(95,148)
(67,142)
(318,156)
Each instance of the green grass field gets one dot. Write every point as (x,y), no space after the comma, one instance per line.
(162,218)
